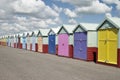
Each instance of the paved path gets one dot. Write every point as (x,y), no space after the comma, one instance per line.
(17,64)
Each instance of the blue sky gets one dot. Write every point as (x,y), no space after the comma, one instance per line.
(28,15)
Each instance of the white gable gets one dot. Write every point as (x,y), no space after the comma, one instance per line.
(39,34)
(63,31)
(79,29)
(51,32)
(106,25)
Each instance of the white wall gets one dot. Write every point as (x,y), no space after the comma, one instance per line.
(92,39)
(45,40)
(71,40)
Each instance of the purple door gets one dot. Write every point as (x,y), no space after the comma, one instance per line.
(63,45)
(80,45)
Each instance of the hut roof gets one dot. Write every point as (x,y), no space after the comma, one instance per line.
(89,26)
(68,28)
(114,20)
(55,30)
(44,32)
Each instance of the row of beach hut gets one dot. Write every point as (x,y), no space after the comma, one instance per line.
(86,41)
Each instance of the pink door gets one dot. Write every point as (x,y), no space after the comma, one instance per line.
(63,45)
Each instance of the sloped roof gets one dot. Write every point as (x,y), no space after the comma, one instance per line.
(89,26)
(114,20)
(35,32)
(44,32)
(68,28)
(29,33)
(20,34)
(24,34)
(55,30)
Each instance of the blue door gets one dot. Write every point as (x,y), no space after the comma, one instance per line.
(80,45)
(33,43)
(52,46)
(24,43)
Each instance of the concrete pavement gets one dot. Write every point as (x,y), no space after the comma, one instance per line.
(18,64)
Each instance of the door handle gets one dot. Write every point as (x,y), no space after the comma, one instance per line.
(80,49)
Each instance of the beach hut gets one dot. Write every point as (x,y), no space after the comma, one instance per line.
(8,44)
(12,41)
(28,40)
(24,41)
(43,40)
(85,41)
(53,40)
(16,41)
(5,41)
(108,41)
(20,41)
(65,40)
(34,41)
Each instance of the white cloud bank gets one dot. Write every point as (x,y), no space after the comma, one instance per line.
(26,15)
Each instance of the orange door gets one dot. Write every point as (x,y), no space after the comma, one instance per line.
(40,48)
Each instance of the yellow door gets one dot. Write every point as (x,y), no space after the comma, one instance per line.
(112,45)
(102,45)
(40,44)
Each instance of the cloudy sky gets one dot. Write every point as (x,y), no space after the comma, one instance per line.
(27,15)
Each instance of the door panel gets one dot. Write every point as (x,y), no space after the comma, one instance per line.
(102,45)
(63,45)
(107,49)
(102,51)
(80,45)
(40,44)
(33,43)
(28,43)
(52,48)
(24,43)
(112,45)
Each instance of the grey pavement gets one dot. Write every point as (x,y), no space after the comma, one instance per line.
(18,64)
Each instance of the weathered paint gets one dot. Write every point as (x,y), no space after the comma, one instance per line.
(40,47)
(63,48)
(45,48)
(92,54)
(107,45)
(52,45)
(80,45)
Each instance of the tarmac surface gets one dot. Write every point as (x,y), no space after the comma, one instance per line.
(18,64)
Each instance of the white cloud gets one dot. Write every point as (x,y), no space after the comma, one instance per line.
(79,2)
(70,13)
(23,15)
(110,1)
(89,6)
(95,8)
(33,7)
(117,2)
(72,21)
(108,15)
(56,8)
